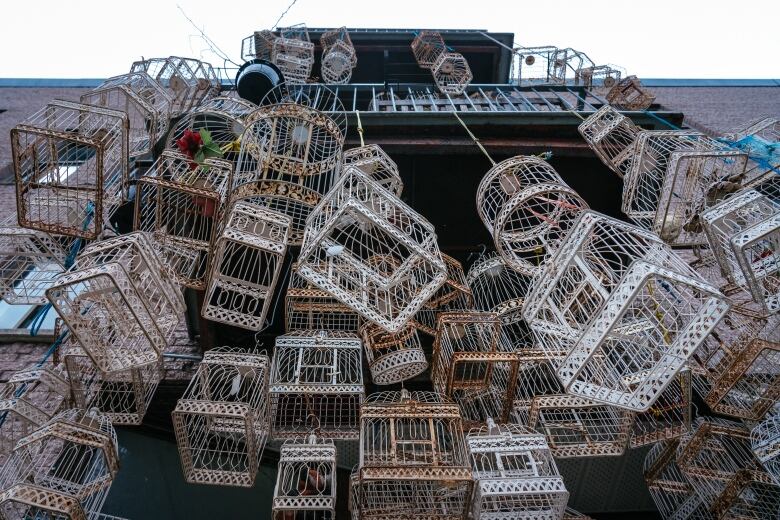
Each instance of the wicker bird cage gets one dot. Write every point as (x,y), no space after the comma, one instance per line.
(180,204)
(393,358)
(308,307)
(451,73)
(29,261)
(316,374)
(612,136)
(63,470)
(413,458)
(515,474)
(629,94)
(454,294)
(306,480)
(338,56)
(669,417)
(188,81)
(599,78)
(527,208)
(765,441)
(71,166)
(534,64)
(426,47)
(372,252)
(669,487)
(375,163)
(221,422)
(259,45)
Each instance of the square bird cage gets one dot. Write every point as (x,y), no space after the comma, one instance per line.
(669,487)
(534,64)
(669,417)
(535,377)
(393,358)
(612,137)
(567,65)
(765,441)
(629,94)
(293,53)
(188,81)
(29,261)
(306,480)
(599,78)
(454,294)
(376,164)
(221,421)
(309,307)
(259,45)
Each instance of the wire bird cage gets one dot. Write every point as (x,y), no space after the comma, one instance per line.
(534,64)
(629,94)
(308,307)
(612,137)
(669,417)
(451,73)
(376,164)
(293,53)
(306,480)
(599,78)
(567,65)
(29,261)
(628,310)
(527,208)
(71,166)
(180,204)
(765,441)
(426,47)
(535,377)
(245,266)
(259,45)
(221,422)
(371,251)
(393,358)
(454,294)
(145,102)
(63,470)
(119,302)
(316,374)
(515,474)
(723,471)
(338,56)
(188,81)
(413,458)
(572,514)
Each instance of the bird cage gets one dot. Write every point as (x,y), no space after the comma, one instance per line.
(259,45)
(628,310)
(221,422)
(567,65)
(119,302)
(515,475)
(245,267)
(765,441)
(306,480)
(577,427)
(535,377)
(669,488)
(63,470)
(316,374)
(629,94)
(534,64)
(371,251)
(599,78)
(744,232)
(723,471)
(71,167)
(612,136)
(354,494)
(293,53)
(454,294)
(180,204)
(145,102)
(527,208)
(669,417)
(383,101)
(338,56)
(413,458)
(188,81)
(376,164)
(29,261)
(572,514)
(308,307)
(426,47)
(451,73)
(393,358)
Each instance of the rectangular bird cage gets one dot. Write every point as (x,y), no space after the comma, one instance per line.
(765,441)
(245,267)
(669,487)
(612,136)
(426,47)
(535,377)
(599,78)
(374,162)
(534,64)
(669,417)
(71,166)
(308,307)
(567,65)
(30,260)
(454,294)
(306,480)
(393,358)
(258,46)
(294,57)
(629,94)
(316,376)
(371,251)
(181,205)
(221,422)
(515,475)
(188,81)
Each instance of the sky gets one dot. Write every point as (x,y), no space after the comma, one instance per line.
(652,39)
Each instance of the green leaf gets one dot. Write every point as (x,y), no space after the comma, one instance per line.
(205,135)
(199,156)
(212,150)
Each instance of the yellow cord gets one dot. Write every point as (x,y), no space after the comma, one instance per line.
(474,138)
(360,127)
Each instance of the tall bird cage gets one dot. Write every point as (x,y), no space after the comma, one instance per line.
(376,164)
(515,474)
(71,166)
(765,441)
(293,53)
(721,468)
(309,307)
(29,261)
(528,209)
(188,81)
(372,252)
(535,377)
(306,480)
(221,422)
(316,375)
(629,94)
(413,458)
(393,358)
(451,73)
(534,64)
(612,137)
(259,45)
(629,312)
(454,294)
(669,417)
(63,470)
(426,47)
(338,56)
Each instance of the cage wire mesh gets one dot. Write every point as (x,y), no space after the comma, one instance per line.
(760,140)
(599,78)
(293,52)
(451,73)
(259,45)
(669,417)
(454,294)
(306,480)
(535,377)
(392,357)
(188,81)
(383,101)
(29,261)
(426,47)
(629,94)
(765,442)
(612,137)
(376,164)
(573,514)
(534,64)
(338,56)
(308,307)
(567,65)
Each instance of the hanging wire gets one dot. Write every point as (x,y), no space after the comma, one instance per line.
(359,127)
(284,13)
(213,47)
(474,138)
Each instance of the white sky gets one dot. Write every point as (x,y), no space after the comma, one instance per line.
(650,38)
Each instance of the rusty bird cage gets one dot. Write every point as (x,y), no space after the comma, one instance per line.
(629,94)
(29,261)
(306,480)
(293,52)
(188,81)
(259,45)
(376,164)
(669,417)
(612,137)
(534,64)
(392,358)
(338,56)
(567,65)
(309,307)
(599,78)
(426,47)
(765,441)
(454,294)
(451,73)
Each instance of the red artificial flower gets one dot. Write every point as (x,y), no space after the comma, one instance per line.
(190,143)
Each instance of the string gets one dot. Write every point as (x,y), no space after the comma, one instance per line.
(359,127)
(474,138)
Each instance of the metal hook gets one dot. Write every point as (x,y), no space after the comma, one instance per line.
(481,252)
(314,429)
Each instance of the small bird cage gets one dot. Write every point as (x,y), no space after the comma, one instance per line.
(393,358)
(577,427)
(515,474)
(527,208)
(426,47)
(765,441)
(612,136)
(293,53)
(669,417)
(316,374)
(119,302)
(71,166)
(221,422)
(599,78)
(259,45)
(629,311)
(454,294)
(29,261)
(188,81)
(721,468)
(375,163)
(308,307)
(629,94)
(338,56)
(145,102)
(413,458)
(535,377)
(63,470)
(535,64)
(180,204)
(567,65)
(451,73)
(669,488)
(306,480)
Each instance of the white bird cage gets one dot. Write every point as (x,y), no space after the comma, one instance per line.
(29,261)
(259,45)
(628,310)
(535,377)
(146,103)
(528,209)
(393,358)
(599,78)
(451,73)
(308,307)
(316,374)
(119,302)
(413,458)
(181,205)
(63,470)
(612,137)
(306,480)
(338,56)
(534,64)
(375,163)
(669,417)
(515,475)
(293,53)
(629,94)
(371,251)
(765,441)
(669,488)
(426,47)
(71,166)
(221,422)
(245,267)
(721,468)
(454,294)
(188,81)
(567,65)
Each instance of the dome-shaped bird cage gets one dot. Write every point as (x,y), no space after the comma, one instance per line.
(188,81)
(535,377)
(765,441)
(309,307)
(259,45)
(338,56)
(221,422)
(426,47)
(451,73)
(29,261)
(534,64)
(599,78)
(454,294)
(669,488)
(306,480)
(629,94)
(669,417)
(376,164)
(393,358)
(527,208)
(612,136)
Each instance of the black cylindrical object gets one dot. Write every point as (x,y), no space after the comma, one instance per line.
(255,78)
